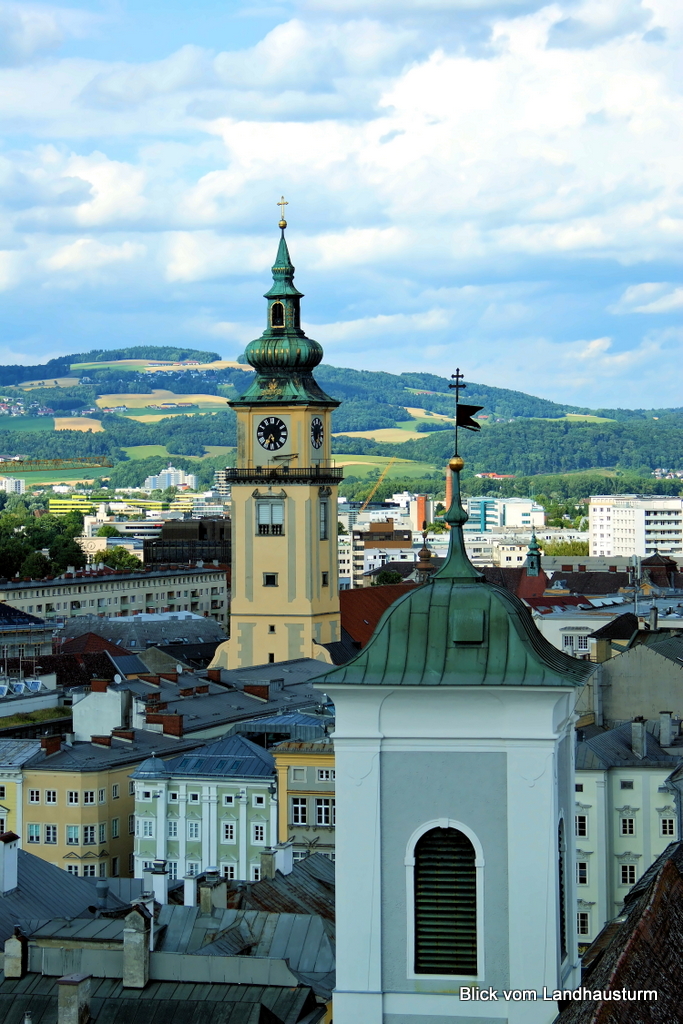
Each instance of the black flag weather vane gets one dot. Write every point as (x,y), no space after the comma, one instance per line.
(463,413)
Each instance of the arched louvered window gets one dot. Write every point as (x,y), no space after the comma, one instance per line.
(445,895)
(277,315)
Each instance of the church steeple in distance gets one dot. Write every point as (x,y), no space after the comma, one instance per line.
(283,357)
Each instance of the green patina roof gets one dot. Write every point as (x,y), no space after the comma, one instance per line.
(459,630)
(283,357)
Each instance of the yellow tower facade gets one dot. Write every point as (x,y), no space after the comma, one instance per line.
(285,594)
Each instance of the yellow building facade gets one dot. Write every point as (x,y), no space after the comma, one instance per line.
(285,600)
(306,800)
(14,753)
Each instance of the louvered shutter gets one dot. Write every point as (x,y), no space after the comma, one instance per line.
(277,512)
(263,513)
(445,904)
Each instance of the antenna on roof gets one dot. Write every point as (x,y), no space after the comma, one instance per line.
(117,678)
(179,669)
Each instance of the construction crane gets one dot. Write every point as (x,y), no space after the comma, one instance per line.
(379,481)
(43,465)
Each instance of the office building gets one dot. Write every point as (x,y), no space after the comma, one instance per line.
(631,524)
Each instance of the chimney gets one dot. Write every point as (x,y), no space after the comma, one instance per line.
(159,876)
(213,892)
(449,488)
(666,731)
(654,616)
(137,933)
(102,887)
(268,864)
(50,744)
(9,856)
(190,891)
(202,689)
(99,685)
(214,674)
(73,1000)
(101,741)
(638,736)
(277,858)
(16,954)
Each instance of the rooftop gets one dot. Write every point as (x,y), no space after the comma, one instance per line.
(86,757)
(612,749)
(96,575)
(234,756)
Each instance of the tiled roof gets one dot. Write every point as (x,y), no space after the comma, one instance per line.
(89,643)
(670,647)
(640,950)
(309,888)
(600,583)
(362,608)
(198,655)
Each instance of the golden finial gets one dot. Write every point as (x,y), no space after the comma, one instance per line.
(283,202)
(456,463)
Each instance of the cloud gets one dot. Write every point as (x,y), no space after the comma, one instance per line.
(652,297)
(27,30)
(88,254)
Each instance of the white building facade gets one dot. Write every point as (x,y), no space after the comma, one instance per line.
(491,513)
(630,524)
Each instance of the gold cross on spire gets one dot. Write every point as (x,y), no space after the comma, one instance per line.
(283,202)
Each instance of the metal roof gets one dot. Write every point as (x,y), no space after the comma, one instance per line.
(234,756)
(308,888)
(91,757)
(45,890)
(14,753)
(612,749)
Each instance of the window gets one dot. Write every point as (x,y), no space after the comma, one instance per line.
(193,830)
(147,794)
(255,873)
(324,811)
(102,832)
(115,828)
(270,518)
(103,863)
(582,642)
(324,520)
(259,800)
(627,827)
(325,579)
(131,789)
(88,835)
(298,774)
(131,863)
(72,869)
(192,868)
(228,832)
(270,579)
(582,872)
(667,828)
(580,825)
(115,867)
(172,828)
(131,824)
(34,833)
(229,871)
(50,796)
(173,798)
(89,870)
(115,792)
(299,810)
(51,834)
(72,796)
(277,315)
(568,641)
(101,796)
(626,784)
(172,868)
(583,923)
(2,792)
(271,629)
(326,775)
(72,835)
(445,903)
(228,800)
(258,833)
(34,796)
(194,798)
(145,828)
(628,874)
(299,855)
(579,787)
(89,796)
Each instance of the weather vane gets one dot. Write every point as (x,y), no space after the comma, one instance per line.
(463,413)
(283,202)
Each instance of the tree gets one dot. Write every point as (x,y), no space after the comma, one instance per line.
(37,566)
(107,530)
(65,552)
(439,527)
(120,558)
(341,529)
(565,547)
(387,576)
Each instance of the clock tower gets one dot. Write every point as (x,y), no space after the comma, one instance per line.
(285,595)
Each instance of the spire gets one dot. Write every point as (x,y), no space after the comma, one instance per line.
(533,557)
(457,565)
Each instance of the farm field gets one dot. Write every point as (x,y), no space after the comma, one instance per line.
(392,435)
(159,396)
(146,451)
(156,366)
(23,423)
(421,414)
(49,382)
(69,476)
(78,423)
(362,465)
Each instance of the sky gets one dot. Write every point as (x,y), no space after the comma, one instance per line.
(489,184)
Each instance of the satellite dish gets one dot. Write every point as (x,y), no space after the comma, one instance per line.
(179,669)
(117,678)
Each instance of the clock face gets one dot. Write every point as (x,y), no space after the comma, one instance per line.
(317,432)
(271,433)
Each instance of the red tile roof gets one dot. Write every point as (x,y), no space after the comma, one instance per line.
(362,609)
(89,643)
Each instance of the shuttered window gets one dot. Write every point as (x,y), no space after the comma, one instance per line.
(445,903)
(270,517)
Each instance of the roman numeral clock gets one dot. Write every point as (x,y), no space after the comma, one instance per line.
(285,601)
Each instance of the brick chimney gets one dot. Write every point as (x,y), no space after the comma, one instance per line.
(101,741)
(50,744)
(99,685)
(214,674)
(257,690)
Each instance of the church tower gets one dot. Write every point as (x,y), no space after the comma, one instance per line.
(285,593)
(454,808)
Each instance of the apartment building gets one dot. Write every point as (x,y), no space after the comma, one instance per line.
(306,801)
(13,755)
(366,546)
(200,589)
(78,801)
(215,807)
(493,513)
(631,524)
(345,559)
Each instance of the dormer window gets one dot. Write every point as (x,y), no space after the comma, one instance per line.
(277,315)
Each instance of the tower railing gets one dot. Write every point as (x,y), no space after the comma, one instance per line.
(318,473)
